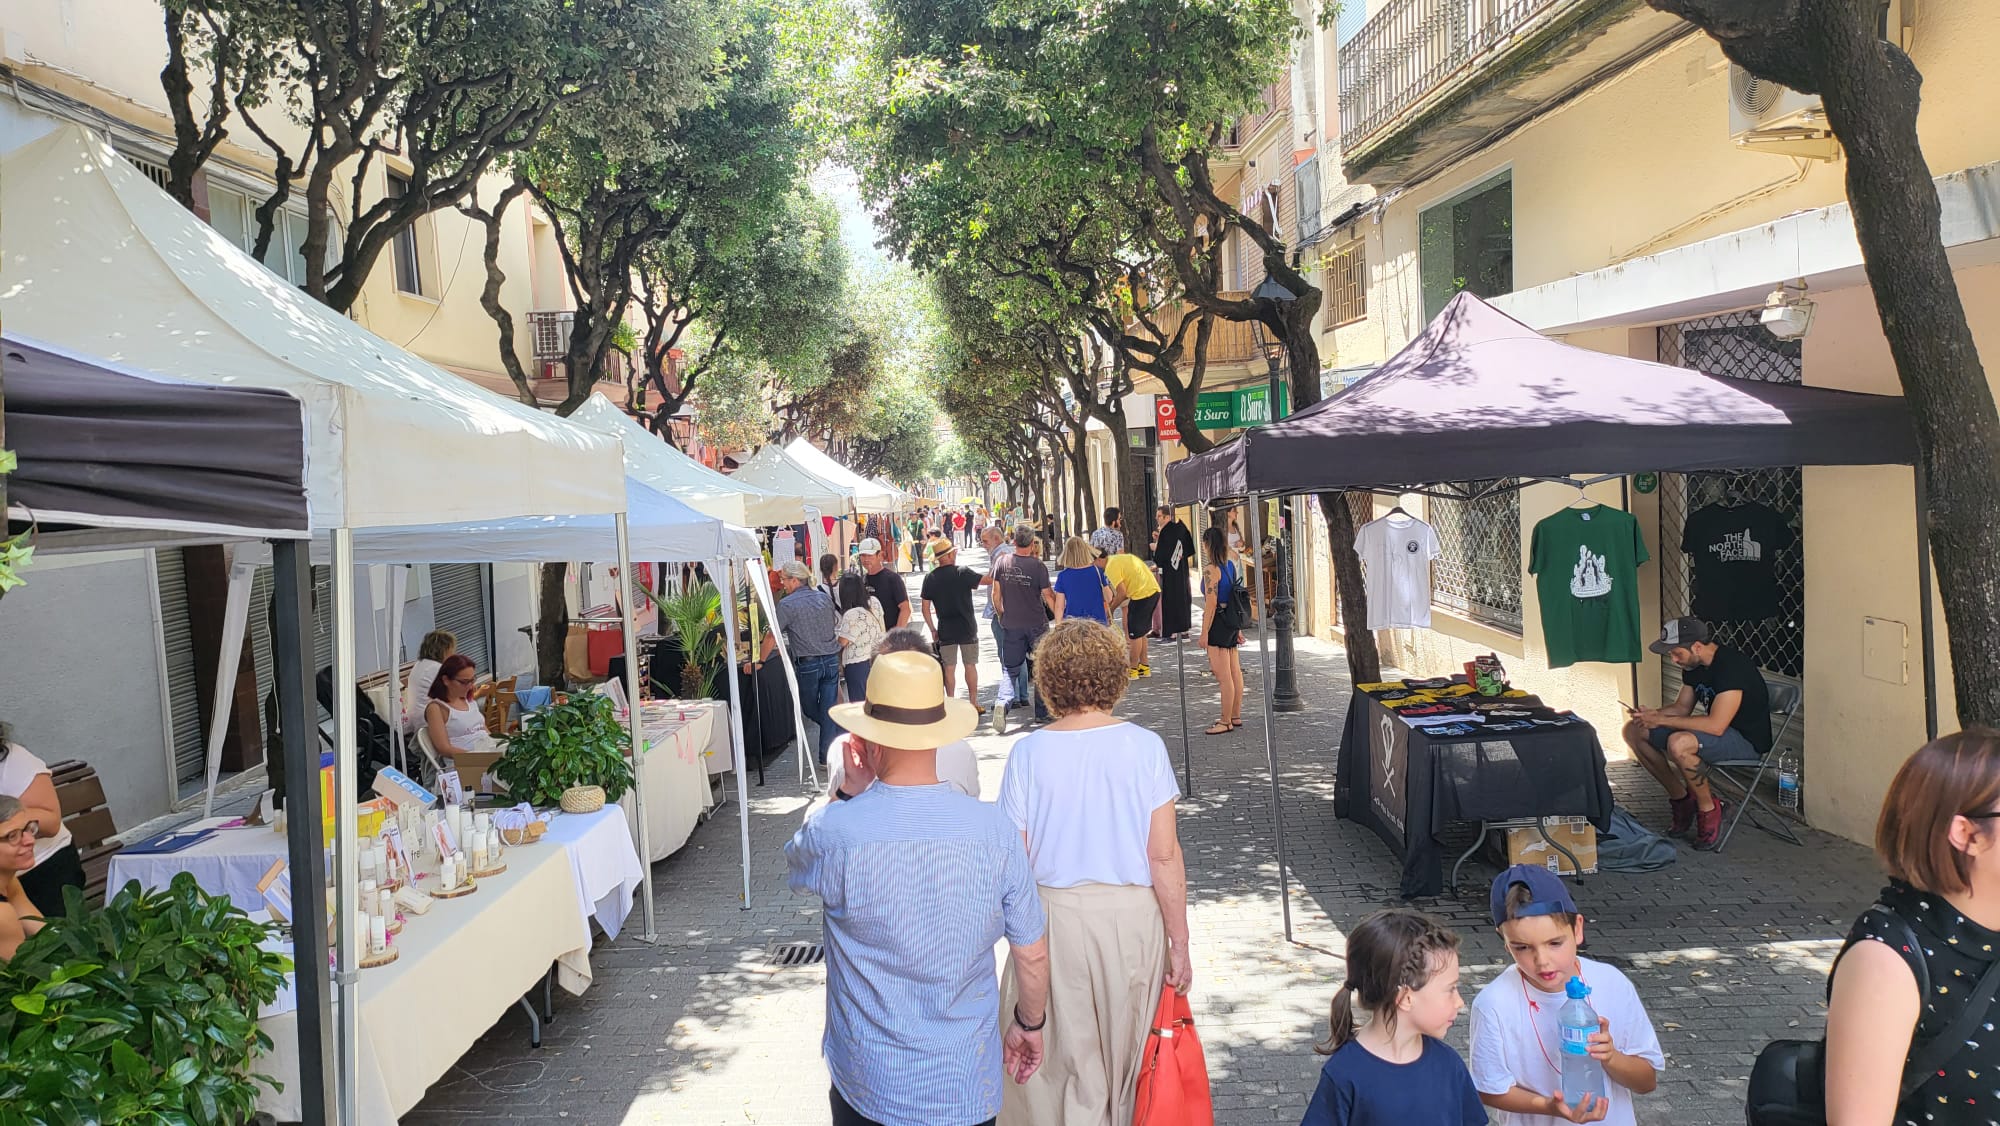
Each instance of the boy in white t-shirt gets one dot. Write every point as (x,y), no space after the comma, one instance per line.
(1516,1042)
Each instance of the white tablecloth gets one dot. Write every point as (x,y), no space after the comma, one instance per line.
(229,863)
(459,968)
(716,752)
(676,780)
(604,861)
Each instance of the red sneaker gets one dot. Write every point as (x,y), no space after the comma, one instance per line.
(1683,809)
(1708,827)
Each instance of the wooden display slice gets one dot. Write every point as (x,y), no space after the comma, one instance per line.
(371,961)
(464,889)
(485,872)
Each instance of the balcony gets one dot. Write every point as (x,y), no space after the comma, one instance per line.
(1274,103)
(550,332)
(1427,82)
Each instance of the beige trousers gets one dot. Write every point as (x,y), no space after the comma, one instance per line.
(1107,959)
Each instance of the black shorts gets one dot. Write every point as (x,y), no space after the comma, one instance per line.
(1139,615)
(1222,633)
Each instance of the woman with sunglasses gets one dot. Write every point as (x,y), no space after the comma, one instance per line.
(56,863)
(454,723)
(19,917)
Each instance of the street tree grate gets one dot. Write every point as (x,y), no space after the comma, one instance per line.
(786,955)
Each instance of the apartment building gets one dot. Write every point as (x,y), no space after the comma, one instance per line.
(1604,174)
(110,657)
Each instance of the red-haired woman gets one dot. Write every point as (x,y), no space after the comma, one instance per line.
(454,724)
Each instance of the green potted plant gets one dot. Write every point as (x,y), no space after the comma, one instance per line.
(142,1011)
(696,617)
(570,753)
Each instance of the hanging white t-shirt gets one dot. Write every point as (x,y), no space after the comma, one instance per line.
(784,547)
(18,771)
(1396,553)
(1517,1043)
(1086,801)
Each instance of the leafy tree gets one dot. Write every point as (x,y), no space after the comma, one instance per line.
(1870,88)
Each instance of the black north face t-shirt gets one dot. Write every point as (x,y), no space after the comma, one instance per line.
(1735,551)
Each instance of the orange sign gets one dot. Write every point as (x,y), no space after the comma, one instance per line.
(1165,417)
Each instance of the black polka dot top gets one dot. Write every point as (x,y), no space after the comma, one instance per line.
(1957,951)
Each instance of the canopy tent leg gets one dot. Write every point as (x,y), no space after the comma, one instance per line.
(399,586)
(1187,753)
(736,722)
(807,762)
(634,724)
(1264,690)
(292,649)
(235,617)
(1926,622)
(346,795)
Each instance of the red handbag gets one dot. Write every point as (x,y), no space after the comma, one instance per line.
(1173,1077)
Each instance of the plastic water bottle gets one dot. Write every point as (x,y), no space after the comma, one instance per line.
(1581,1075)
(1788,780)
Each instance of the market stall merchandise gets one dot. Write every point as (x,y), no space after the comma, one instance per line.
(1411,762)
(678,740)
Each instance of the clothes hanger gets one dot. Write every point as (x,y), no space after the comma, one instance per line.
(1582,501)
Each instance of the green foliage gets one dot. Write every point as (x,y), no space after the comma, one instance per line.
(696,615)
(956,458)
(142,1012)
(576,743)
(18,552)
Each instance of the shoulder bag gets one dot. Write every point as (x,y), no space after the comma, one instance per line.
(1173,1076)
(1788,1083)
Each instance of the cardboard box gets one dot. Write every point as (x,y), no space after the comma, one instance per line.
(473,765)
(1577,834)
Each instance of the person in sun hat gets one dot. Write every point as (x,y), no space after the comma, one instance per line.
(918,883)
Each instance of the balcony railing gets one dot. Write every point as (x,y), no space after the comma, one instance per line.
(550,331)
(1412,48)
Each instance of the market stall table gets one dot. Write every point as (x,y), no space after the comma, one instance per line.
(1407,783)
(677,792)
(459,968)
(599,846)
(229,862)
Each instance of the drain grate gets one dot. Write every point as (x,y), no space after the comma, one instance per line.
(784,955)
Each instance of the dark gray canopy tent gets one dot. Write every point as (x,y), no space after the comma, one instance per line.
(1478,396)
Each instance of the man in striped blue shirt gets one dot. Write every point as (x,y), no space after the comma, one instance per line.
(919,883)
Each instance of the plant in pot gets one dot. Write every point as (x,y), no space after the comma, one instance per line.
(144,1010)
(570,753)
(695,613)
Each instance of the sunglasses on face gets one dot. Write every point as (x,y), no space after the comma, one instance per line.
(31,830)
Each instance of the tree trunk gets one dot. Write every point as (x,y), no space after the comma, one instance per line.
(1870,90)
(1364,661)
(552,626)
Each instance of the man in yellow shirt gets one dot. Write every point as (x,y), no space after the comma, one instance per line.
(1134,586)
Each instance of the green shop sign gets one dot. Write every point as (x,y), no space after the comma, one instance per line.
(1245,406)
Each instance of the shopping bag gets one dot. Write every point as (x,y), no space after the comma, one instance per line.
(1173,1077)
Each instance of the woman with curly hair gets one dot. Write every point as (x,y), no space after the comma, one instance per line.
(1093,796)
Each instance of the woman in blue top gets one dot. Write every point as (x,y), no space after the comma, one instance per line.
(1080,585)
(1224,632)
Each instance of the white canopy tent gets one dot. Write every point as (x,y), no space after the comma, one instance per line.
(773,469)
(870,499)
(653,460)
(903,499)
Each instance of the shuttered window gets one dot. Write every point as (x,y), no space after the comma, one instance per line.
(460,604)
(171,568)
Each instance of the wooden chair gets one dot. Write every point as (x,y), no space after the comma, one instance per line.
(496,703)
(87,816)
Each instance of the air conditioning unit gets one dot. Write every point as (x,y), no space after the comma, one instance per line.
(1771,118)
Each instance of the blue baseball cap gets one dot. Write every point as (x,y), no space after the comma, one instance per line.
(1550,897)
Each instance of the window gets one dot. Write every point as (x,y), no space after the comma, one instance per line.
(1478,573)
(409,268)
(1468,243)
(1305,182)
(1347,283)
(234,215)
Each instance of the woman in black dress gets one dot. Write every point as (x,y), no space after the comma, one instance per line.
(1173,554)
(1939,838)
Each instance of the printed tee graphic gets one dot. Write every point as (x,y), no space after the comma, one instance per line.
(1590,579)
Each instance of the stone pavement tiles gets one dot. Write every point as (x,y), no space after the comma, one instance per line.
(1727,952)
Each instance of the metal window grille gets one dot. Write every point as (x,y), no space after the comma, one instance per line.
(1478,573)
(154,171)
(551,333)
(1410,48)
(1735,346)
(1347,283)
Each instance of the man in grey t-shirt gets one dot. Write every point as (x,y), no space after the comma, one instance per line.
(807,617)
(1023,602)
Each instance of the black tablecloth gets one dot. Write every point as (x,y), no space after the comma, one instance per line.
(1407,785)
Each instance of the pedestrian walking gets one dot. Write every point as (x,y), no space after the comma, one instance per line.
(1221,579)
(1094,796)
(919,882)
(1109,538)
(1173,554)
(1023,601)
(885,584)
(954,626)
(859,632)
(811,628)
(1080,587)
(997,546)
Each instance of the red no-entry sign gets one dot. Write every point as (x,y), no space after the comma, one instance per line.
(993,475)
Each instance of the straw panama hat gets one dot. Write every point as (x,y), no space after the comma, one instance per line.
(907,707)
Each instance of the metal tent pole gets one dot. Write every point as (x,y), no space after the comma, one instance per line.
(736,724)
(346,796)
(399,586)
(624,591)
(1264,689)
(292,651)
(1926,624)
(1187,754)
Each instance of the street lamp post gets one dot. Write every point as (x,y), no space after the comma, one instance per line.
(1285,686)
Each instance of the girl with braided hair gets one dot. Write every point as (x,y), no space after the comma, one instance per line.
(1395,1069)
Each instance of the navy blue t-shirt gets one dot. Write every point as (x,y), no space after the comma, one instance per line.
(1359,1088)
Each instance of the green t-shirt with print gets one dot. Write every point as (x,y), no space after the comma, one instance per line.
(1586,567)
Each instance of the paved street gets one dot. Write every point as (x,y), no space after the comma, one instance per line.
(1727,951)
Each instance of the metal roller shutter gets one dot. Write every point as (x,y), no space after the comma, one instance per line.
(171,569)
(459,603)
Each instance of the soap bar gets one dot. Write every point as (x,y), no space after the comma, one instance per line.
(412,901)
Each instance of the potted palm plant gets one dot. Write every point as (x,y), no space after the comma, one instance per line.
(695,613)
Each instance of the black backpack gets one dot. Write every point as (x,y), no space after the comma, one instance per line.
(1788,1083)
(1238,610)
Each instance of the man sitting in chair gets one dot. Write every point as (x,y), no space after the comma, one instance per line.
(1674,743)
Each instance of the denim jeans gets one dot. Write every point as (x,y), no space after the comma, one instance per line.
(1013,686)
(856,676)
(819,685)
(1017,657)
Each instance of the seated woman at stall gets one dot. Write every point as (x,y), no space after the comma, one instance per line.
(438,644)
(19,917)
(56,864)
(454,723)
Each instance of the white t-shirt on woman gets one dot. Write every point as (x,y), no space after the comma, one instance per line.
(1086,801)
(18,771)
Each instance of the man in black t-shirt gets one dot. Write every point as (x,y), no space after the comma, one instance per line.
(1734,725)
(954,624)
(885,584)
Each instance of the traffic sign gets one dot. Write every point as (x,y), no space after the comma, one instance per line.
(1166,419)
(993,475)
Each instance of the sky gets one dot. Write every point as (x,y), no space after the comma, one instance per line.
(857,226)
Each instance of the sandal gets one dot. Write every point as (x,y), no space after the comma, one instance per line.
(1236,725)
(1219,728)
